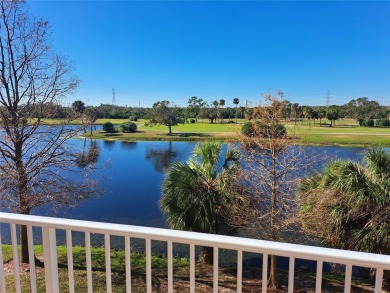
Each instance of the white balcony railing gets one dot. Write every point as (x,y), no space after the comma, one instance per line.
(50,226)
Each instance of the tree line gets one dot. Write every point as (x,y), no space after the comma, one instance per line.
(361,109)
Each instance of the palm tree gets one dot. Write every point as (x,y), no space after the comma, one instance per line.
(198,195)
(216,110)
(236,101)
(222,103)
(348,204)
(307,113)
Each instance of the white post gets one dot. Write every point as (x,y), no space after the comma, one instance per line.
(264,280)
(215,270)
(148,265)
(291,269)
(31,258)
(50,259)
(319,276)
(170,267)
(192,268)
(2,273)
(378,280)
(239,271)
(15,255)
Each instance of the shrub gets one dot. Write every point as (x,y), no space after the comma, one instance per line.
(267,131)
(383,123)
(133,118)
(361,121)
(128,127)
(247,129)
(192,120)
(276,130)
(370,123)
(108,127)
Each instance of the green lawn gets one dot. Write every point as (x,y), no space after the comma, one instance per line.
(345,133)
(183,132)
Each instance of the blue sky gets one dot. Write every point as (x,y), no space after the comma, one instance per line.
(150,51)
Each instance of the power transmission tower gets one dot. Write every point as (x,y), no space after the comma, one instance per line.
(327,98)
(113,97)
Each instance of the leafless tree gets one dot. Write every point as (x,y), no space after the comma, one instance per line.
(34,158)
(272,165)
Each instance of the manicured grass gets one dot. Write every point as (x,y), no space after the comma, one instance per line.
(345,133)
(183,132)
(197,128)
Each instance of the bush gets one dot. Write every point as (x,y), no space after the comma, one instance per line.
(370,123)
(128,127)
(266,131)
(133,118)
(108,127)
(277,131)
(247,129)
(383,123)
(192,120)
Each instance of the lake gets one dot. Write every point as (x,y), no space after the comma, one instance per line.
(131,174)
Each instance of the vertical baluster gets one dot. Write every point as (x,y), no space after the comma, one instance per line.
(319,277)
(264,279)
(148,266)
(239,271)
(2,273)
(348,278)
(16,258)
(69,250)
(107,253)
(31,258)
(215,270)
(128,264)
(291,268)
(50,257)
(170,267)
(88,261)
(378,280)
(192,268)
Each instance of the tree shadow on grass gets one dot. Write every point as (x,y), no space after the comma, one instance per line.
(188,134)
(113,134)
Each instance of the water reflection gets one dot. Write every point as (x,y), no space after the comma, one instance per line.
(108,144)
(161,158)
(88,157)
(128,145)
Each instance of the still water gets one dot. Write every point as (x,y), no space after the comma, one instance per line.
(131,175)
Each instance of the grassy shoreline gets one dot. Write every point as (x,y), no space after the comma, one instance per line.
(345,133)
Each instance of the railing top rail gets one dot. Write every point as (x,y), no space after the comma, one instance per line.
(227,242)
